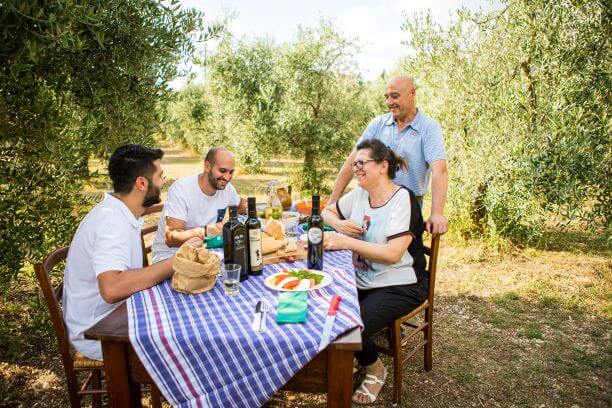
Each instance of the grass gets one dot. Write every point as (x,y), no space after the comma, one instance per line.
(512,328)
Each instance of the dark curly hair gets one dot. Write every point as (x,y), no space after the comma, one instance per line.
(129,162)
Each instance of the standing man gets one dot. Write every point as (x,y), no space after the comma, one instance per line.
(196,204)
(104,264)
(418,139)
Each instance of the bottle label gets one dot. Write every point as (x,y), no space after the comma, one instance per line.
(255,247)
(239,242)
(315,235)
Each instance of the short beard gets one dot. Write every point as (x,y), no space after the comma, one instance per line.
(153,196)
(214,182)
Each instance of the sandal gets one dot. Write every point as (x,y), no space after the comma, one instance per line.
(370,379)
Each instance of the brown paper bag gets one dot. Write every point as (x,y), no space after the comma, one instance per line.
(195,269)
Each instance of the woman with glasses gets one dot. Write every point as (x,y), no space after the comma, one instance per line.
(381,223)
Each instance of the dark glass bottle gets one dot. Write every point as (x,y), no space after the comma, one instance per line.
(235,243)
(253,227)
(315,236)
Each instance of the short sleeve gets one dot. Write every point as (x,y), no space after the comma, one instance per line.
(176,203)
(234,198)
(433,144)
(111,248)
(398,222)
(346,203)
(370,130)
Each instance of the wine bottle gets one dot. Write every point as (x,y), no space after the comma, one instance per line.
(253,227)
(235,243)
(315,236)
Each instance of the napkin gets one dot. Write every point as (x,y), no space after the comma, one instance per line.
(215,241)
(292,307)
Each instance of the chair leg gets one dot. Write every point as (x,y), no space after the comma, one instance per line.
(96,383)
(428,335)
(398,361)
(73,388)
(155,397)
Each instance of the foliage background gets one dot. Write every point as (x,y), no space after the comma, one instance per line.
(522,92)
(524,96)
(79,78)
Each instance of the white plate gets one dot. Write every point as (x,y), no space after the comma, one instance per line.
(327,279)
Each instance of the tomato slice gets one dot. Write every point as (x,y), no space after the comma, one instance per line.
(280,277)
(291,285)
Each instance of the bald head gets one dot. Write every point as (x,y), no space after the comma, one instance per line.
(402,82)
(400,98)
(215,153)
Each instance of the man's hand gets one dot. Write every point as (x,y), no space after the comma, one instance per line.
(215,229)
(349,228)
(194,242)
(332,241)
(436,224)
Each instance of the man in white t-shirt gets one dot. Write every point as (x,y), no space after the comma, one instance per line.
(196,204)
(104,264)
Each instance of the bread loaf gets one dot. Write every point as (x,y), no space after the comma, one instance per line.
(275,229)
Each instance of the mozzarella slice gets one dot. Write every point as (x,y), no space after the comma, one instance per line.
(303,285)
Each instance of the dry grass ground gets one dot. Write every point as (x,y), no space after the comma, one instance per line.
(514,328)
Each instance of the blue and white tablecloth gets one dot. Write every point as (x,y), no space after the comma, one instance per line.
(202,352)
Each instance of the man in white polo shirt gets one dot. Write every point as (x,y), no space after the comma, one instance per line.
(104,265)
(196,204)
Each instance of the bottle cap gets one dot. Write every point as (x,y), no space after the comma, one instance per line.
(233,210)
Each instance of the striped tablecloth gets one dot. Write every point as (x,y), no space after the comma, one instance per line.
(202,352)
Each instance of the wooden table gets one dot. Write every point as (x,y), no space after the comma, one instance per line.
(125,372)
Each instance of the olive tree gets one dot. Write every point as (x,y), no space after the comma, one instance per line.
(78,78)
(523,93)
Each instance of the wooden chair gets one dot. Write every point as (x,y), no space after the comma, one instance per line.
(397,341)
(146,250)
(76,363)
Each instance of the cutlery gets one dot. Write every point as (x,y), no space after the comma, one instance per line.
(265,308)
(256,325)
(329,321)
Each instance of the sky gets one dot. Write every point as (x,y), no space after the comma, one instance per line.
(375,23)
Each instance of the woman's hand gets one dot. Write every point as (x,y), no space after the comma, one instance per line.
(332,241)
(349,228)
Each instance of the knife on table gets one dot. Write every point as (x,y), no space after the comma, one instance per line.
(329,321)
(256,325)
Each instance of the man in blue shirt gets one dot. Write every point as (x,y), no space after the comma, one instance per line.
(417,138)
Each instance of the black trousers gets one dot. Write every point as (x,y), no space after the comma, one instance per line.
(379,308)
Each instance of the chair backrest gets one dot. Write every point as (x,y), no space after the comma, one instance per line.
(146,249)
(432,264)
(52,299)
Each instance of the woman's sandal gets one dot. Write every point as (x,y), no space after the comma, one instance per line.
(370,379)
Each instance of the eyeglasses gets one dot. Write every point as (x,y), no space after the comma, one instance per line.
(358,164)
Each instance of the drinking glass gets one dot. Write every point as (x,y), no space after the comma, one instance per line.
(291,222)
(231,279)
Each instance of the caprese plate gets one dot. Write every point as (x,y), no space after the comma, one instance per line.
(297,280)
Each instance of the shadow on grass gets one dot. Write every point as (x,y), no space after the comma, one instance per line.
(575,241)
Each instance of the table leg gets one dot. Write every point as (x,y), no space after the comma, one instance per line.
(121,393)
(339,378)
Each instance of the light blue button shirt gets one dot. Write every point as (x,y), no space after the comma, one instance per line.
(420,143)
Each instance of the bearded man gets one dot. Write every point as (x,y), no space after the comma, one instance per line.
(104,264)
(196,204)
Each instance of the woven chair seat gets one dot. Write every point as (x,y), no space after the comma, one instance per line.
(80,361)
